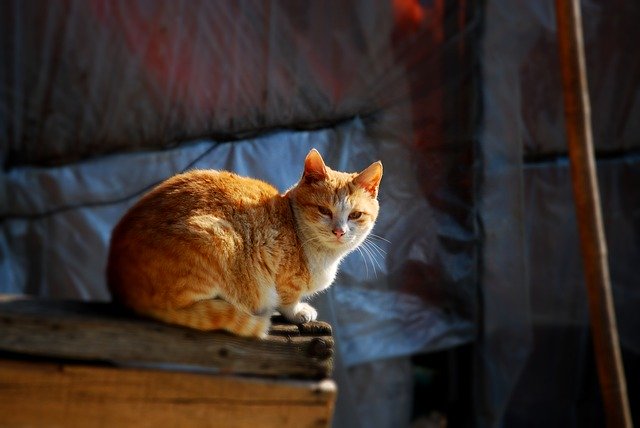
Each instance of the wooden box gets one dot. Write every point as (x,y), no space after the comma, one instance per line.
(71,364)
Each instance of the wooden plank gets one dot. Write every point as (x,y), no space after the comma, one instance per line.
(58,395)
(105,332)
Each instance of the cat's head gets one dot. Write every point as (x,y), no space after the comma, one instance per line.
(335,210)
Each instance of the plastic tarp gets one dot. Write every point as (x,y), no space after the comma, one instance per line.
(101,100)
(524,109)
(563,351)
(61,249)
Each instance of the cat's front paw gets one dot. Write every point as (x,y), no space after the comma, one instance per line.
(299,313)
(305,314)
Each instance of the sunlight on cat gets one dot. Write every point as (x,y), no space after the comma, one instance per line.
(213,250)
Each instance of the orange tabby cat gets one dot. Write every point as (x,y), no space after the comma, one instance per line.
(212,250)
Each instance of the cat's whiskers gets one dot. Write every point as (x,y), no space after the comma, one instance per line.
(372,255)
(371,258)
(376,247)
(374,236)
(371,252)
(366,265)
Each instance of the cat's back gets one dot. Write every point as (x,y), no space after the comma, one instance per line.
(207,187)
(196,204)
(201,191)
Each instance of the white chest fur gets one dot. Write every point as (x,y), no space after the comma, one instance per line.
(322,270)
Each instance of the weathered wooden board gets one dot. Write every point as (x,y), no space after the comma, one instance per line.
(105,332)
(59,395)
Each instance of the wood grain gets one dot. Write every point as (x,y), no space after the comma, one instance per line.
(59,395)
(105,332)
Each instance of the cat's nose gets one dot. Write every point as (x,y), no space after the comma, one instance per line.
(338,232)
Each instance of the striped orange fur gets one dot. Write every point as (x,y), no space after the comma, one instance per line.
(212,250)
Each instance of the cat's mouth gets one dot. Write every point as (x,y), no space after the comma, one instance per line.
(336,242)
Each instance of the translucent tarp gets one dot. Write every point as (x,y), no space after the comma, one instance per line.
(562,355)
(100,100)
(523,110)
(57,245)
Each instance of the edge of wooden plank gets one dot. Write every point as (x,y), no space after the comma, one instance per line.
(102,331)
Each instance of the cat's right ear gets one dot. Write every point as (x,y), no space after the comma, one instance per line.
(314,167)
(369,179)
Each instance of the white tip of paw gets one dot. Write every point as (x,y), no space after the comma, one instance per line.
(299,313)
(305,313)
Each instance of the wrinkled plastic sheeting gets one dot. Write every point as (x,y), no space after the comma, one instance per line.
(375,80)
(83,78)
(523,118)
(391,390)
(55,240)
(560,296)
(505,338)
(612,53)
(563,352)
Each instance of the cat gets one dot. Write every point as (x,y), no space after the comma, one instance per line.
(212,250)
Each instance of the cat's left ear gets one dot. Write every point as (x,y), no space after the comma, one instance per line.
(314,167)
(369,179)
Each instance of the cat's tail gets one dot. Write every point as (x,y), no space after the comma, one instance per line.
(214,314)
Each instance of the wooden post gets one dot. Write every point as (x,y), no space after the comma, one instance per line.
(587,201)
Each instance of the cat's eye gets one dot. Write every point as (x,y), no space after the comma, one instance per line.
(355,215)
(325,211)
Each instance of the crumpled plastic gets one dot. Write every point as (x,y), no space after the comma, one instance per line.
(523,141)
(101,100)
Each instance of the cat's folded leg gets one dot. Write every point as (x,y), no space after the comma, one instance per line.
(214,314)
(299,312)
